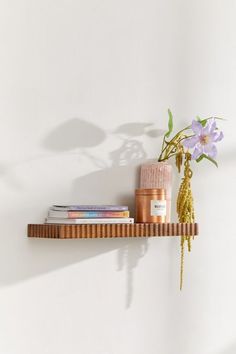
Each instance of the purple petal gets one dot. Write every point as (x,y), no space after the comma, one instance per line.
(191,142)
(210,126)
(210,150)
(217,136)
(197,152)
(196,127)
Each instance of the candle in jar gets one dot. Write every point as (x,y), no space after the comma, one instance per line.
(158,175)
(150,205)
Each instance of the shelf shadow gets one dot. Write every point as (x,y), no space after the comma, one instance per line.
(113,181)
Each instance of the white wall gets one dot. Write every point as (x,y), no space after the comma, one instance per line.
(72,75)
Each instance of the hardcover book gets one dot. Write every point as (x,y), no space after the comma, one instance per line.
(87,214)
(89,207)
(90,221)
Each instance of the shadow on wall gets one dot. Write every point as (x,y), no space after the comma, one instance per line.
(127,258)
(42,256)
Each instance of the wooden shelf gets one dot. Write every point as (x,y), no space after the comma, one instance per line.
(59,231)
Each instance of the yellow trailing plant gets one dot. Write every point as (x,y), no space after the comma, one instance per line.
(185,209)
(201,135)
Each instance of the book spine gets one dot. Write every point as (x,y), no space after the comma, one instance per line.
(88,214)
(90,221)
(89,208)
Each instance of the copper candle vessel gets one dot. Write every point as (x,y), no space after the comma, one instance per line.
(150,205)
(155,174)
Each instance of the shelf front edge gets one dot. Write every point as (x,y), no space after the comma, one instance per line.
(59,231)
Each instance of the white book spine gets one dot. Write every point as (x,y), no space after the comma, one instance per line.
(90,221)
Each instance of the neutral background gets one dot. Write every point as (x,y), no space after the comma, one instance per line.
(84,92)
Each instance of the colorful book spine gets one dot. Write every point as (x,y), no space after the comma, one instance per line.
(89,207)
(90,221)
(87,214)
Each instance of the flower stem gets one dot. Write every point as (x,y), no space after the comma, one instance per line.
(174,141)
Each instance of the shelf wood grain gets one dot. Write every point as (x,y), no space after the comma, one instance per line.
(65,231)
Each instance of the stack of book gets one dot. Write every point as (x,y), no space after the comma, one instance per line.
(88,214)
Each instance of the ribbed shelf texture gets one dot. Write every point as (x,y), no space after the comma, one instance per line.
(60,231)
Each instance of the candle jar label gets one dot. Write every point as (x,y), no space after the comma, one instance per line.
(158,207)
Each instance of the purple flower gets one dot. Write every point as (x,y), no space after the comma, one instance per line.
(204,139)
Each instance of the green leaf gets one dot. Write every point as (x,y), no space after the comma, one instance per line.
(203,156)
(170,124)
(204,121)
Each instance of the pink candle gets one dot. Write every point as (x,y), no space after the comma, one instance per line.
(158,175)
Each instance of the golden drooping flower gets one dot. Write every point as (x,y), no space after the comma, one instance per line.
(185,209)
(179,160)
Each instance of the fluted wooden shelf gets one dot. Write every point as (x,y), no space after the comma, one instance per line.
(59,231)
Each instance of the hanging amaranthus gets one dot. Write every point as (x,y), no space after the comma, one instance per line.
(185,209)
(200,136)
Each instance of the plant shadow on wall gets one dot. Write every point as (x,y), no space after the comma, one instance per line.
(30,258)
(113,181)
